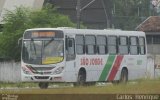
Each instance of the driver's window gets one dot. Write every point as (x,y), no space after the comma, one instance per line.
(70,49)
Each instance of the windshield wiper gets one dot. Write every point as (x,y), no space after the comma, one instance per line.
(49,42)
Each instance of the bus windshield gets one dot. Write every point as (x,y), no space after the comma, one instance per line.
(42,51)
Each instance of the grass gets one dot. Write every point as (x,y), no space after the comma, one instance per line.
(17,85)
(138,87)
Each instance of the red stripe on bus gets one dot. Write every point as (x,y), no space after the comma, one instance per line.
(115,68)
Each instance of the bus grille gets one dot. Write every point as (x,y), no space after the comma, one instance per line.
(41,70)
(42,77)
(42,73)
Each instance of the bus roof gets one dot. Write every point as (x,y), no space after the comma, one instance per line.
(93,31)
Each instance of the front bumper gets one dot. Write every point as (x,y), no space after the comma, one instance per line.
(42,78)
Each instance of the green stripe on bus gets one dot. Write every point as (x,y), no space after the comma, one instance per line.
(107,68)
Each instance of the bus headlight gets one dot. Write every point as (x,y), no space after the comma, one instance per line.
(58,70)
(26,71)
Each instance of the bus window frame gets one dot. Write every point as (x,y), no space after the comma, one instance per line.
(106,46)
(127,41)
(142,45)
(137,40)
(113,45)
(80,44)
(94,46)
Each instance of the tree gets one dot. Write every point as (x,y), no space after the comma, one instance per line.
(17,21)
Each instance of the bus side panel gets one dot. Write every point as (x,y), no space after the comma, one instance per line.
(136,65)
(93,64)
(137,71)
(70,73)
(99,67)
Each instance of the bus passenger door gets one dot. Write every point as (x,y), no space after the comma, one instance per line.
(70,60)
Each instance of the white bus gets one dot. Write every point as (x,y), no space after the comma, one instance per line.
(82,55)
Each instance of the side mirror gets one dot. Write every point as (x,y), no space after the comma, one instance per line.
(20,41)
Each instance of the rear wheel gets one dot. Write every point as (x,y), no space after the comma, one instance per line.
(43,85)
(124,76)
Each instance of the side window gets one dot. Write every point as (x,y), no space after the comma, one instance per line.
(142,46)
(112,44)
(80,44)
(101,44)
(133,45)
(123,45)
(90,43)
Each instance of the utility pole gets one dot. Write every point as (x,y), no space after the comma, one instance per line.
(105,11)
(79,9)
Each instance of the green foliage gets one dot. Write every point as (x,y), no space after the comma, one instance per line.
(49,17)
(17,21)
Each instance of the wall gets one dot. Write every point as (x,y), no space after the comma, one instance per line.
(150,66)
(153,49)
(1,5)
(10,72)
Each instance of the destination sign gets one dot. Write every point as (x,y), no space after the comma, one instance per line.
(43,34)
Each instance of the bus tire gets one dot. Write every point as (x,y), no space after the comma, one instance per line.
(124,76)
(81,80)
(43,85)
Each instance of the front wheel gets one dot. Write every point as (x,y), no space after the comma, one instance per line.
(81,80)
(43,85)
